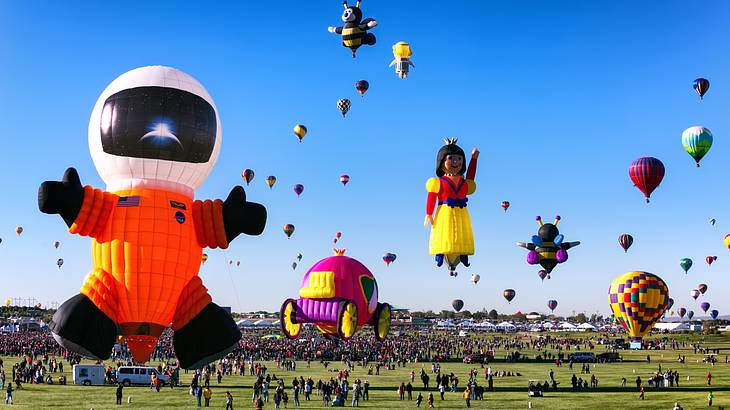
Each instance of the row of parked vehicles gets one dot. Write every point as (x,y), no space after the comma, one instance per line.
(95,374)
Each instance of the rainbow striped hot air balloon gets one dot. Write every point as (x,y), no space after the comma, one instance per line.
(701,85)
(697,141)
(638,300)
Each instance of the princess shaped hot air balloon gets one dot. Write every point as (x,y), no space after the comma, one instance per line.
(452,240)
(154,136)
(339,295)
(402,59)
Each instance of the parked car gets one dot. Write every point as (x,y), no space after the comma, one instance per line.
(583,357)
(609,357)
(88,374)
(128,375)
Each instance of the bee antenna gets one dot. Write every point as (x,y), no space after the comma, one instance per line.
(539,220)
(557,219)
(358,3)
(344,3)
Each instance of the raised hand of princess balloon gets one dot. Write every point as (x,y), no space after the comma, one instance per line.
(62,197)
(475,153)
(240,216)
(428,220)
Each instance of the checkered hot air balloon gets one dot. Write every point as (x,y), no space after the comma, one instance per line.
(343,105)
(638,300)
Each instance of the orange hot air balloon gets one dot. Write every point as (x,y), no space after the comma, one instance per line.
(204,257)
(288,230)
(19,230)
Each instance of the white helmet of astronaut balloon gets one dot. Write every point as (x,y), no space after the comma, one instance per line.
(154,127)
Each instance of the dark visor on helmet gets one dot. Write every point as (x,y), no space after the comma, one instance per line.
(158,123)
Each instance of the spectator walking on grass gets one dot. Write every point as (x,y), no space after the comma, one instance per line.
(119,393)
(709,399)
(641,393)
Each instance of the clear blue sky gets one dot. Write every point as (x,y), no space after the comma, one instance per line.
(560,97)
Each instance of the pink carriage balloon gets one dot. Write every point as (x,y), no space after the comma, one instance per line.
(338,295)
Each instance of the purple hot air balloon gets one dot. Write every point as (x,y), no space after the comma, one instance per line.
(705,306)
(543,274)
(714,314)
(552,304)
(298,189)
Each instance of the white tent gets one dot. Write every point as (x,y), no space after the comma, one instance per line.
(262,323)
(567,326)
(586,327)
(244,323)
(485,326)
(506,326)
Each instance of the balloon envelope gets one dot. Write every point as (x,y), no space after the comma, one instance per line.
(697,141)
(288,230)
(646,173)
(298,189)
(204,257)
(701,85)
(247,175)
(710,259)
(300,131)
(389,258)
(19,230)
(542,274)
(505,205)
(475,278)
(705,306)
(552,304)
(714,314)
(670,304)
(638,300)
(702,288)
(727,241)
(56,244)
(343,105)
(59,262)
(690,314)
(344,179)
(509,294)
(457,304)
(362,86)
(270,181)
(694,293)
(625,240)
(681,312)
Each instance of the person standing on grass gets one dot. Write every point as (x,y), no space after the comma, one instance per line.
(409,390)
(199,395)
(207,393)
(467,397)
(119,393)
(709,379)
(430,400)
(641,393)
(709,399)
(9,394)
(229,401)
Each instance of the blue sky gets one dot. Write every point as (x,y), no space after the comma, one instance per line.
(559,97)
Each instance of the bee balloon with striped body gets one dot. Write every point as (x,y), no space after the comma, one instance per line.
(354,32)
(547,247)
(638,300)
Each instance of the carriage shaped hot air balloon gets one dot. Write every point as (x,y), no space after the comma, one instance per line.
(339,295)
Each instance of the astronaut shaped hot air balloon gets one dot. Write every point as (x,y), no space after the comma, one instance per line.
(547,248)
(154,136)
(701,85)
(646,173)
(638,300)
(451,240)
(697,141)
(339,295)
(402,59)
(354,32)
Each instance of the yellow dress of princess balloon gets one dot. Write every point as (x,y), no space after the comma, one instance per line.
(452,240)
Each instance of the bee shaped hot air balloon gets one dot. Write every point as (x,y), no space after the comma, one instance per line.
(288,230)
(694,293)
(625,241)
(646,173)
(270,181)
(298,189)
(362,86)
(505,205)
(339,295)
(552,304)
(509,294)
(701,85)
(300,131)
(685,264)
(475,278)
(638,300)
(344,179)
(710,259)
(389,258)
(354,32)
(402,59)
(697,141)
(457,304)
(343,105)
(247,175)
(702,288)
(714,314)
(547,248)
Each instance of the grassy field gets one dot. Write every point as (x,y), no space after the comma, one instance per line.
(510,392)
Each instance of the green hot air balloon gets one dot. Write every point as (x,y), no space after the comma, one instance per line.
(685,264)
(697,141)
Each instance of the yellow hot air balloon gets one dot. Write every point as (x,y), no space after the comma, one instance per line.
(204,257)
(727,241)
(7,302)
(300,131)
(638,300)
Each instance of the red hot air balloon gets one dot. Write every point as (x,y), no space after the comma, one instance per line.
(646,173)
(298,189)
(288,230)
(505,205)
(344,179)
(710,259)
(389,258)
(247,175)
(338,235)
(625,241)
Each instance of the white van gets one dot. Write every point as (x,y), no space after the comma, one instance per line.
(583,357)
(128,375)
(88,374)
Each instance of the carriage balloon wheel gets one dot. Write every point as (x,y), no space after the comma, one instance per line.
(339,295)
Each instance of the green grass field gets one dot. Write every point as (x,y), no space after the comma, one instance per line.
(510,392)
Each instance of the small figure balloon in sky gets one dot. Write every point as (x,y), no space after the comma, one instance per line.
(547,247)
(354,32)
(452,240)
(402,59)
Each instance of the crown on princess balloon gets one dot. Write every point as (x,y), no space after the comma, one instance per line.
(450,141)
(339,252)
